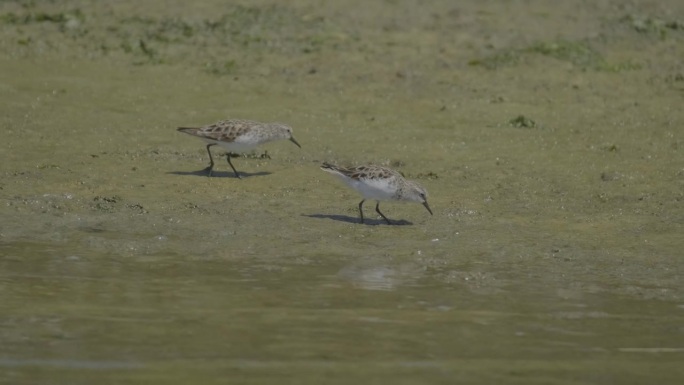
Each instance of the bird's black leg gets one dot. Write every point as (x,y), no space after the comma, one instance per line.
(377,208)
(233,167)
(211,160)
(361,209)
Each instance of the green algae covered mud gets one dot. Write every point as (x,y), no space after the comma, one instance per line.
(548,135)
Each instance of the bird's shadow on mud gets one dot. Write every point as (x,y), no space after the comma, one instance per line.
(220,174)
(357,220)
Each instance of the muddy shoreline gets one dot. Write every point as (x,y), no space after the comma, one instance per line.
(547,135)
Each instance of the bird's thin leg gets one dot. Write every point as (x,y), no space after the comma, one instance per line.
(377,208)
(233,167)
(211,160)
(361,209)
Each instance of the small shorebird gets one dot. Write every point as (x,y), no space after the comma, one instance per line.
(238,136)
(379,183)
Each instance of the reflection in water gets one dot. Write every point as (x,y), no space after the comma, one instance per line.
(381,276)
(68,364)
(179,320)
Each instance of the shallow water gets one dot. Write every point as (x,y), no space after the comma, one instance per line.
(71,315)
(554,254)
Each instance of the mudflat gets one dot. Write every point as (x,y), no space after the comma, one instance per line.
(548,135)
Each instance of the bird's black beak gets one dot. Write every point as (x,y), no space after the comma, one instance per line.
(427,207)
(292,139)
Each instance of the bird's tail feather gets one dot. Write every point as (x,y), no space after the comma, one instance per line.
(188,130)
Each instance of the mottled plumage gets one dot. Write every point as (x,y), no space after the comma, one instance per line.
(380,184)
(238,136)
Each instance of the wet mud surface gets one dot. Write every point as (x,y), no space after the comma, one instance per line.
(549,137)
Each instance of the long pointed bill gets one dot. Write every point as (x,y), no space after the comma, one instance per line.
(292,139)
(427,207)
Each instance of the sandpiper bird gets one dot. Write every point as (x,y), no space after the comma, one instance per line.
(238,136)
(379,183)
